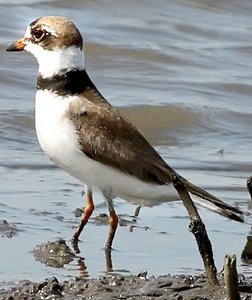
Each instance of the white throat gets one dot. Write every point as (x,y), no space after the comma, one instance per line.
(53,62)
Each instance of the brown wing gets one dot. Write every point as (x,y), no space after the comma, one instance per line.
(107,137)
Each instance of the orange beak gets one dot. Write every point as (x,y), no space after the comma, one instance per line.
(18,46)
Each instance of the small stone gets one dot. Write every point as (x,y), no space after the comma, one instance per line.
(54,254)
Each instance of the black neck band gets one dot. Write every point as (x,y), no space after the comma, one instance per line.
(70,83)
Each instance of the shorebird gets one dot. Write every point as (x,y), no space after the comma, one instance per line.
(85,135)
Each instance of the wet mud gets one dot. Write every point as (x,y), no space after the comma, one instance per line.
(130,287)
(54,254)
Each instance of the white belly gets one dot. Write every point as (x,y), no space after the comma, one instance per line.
(58,139)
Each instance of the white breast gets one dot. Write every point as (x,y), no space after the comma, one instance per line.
(58,139)
(56,133)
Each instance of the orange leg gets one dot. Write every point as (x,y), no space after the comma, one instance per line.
(113,222)
(113,218)
(86,215)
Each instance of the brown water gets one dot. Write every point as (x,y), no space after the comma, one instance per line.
(181,71)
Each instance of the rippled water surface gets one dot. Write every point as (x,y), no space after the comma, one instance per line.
(181,71)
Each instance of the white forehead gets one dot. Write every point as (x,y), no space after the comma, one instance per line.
(28,32)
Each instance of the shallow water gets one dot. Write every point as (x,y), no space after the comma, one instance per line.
(181,71)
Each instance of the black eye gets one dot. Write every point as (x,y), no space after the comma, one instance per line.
(38,34)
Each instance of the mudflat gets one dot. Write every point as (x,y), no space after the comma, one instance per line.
(131,287)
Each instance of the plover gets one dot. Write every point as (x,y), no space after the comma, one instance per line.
(86,136)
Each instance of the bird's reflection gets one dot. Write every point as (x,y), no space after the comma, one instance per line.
(83,271)
(83,268)
(108,260)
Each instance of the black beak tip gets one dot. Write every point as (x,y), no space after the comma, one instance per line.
(12,47)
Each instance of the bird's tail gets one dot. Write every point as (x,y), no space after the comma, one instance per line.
(205,199)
